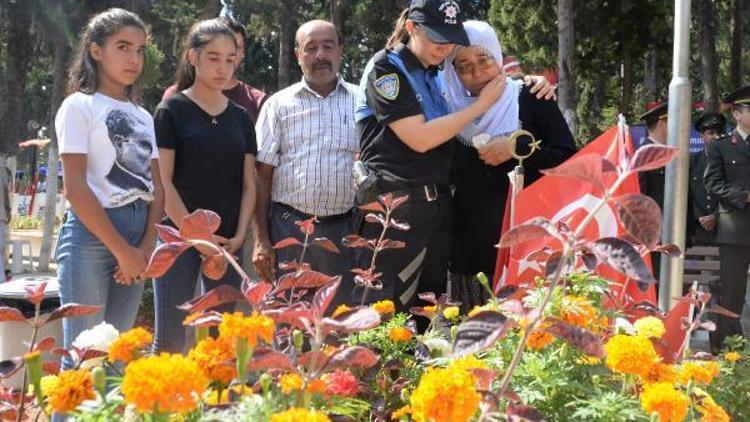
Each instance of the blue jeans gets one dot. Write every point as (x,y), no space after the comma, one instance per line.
(85,269)
(177,287)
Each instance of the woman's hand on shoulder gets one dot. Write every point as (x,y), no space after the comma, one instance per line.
(540,86)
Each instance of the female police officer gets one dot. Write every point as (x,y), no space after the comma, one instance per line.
(405,134)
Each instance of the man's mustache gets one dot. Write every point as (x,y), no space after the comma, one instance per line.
(323,64)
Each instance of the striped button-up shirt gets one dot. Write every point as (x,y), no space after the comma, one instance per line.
(311,142)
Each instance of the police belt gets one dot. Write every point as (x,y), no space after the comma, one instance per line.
(427,193)
(320,219)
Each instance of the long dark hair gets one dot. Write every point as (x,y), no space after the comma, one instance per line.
(200,34)
(399,34)
(84,71)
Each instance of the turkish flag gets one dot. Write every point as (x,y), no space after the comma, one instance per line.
(562,199)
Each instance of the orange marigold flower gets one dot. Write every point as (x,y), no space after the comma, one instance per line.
(341,383)
(711,412)
(399,334)
(732,357)
(384,307)
(539,340)
(659,372)
(630,354)
(445,395)
(340,310)
(701,372)
(70,390)
(316,386)
(251,328)
(663,399)
(430,309)
(400,413)
(297,414)
(214,357)
(578,311)
(126,347)
(290,383)
(164,383)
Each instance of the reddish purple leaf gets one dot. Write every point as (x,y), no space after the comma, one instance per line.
(624,258)
(387,200)
(292,265)
(355,241)
(285,243)
(219,295)
(205,319)
(296,316)
(375,219)
(70,310)
(168,234)
(352,321)
(399,225)
(391,244)
(372,207)
(307,227)
(641,217)
(671,250)
(11,314)
(255,292)
(586,167)
(45,345)
(35,292)
(164,257)
(720,310)
(523,413)
(352,357)
(428,297)
(484,377)
(326,244)
(323,297)
(608,166)
(536,228)
(214,266)
(489,403)
(480,332)
(264,359)
(306,279)
(398,201)
(651,157)
(580,338)
(51,367)
(706,325)
(10,366)
(200,225)
(307,359)
(506,291)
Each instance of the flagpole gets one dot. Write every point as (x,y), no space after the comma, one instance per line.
(676,179)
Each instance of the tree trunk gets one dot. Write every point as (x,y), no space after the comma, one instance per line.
(286,42)
(566,51)
(705,17)
(735,49)
(61,54)
(650,75)
(12,123)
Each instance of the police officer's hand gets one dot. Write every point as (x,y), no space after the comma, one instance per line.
(708,222)
(491,92)
(540,86)
(264,259)
(496,153)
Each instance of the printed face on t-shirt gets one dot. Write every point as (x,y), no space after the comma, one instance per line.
(130,137)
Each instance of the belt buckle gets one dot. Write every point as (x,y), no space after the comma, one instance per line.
(430,192)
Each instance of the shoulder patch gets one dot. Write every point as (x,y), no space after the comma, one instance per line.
(387,86)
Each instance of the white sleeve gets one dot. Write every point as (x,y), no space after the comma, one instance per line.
(72,126)
(265,133)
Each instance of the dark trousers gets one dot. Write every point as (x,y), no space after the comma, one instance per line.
(732,288)
(282,225)
(422,266)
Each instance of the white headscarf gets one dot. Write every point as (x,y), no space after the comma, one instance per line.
(501,118)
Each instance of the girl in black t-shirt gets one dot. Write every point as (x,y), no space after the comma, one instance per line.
(207,160)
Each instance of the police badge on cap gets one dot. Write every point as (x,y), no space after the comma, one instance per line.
(442,20)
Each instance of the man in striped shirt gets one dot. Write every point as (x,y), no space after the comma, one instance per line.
(306,148)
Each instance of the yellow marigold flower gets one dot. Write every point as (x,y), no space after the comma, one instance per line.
(70,390)
(190,318)
(254,327)
(164,383)
(539,340)
(650,327)
(399,335)
(212,398)
(48,384)
(400,413)
(340,310)
(384,307)
(451,312)
(430,309)
(126,347)
(588,360)
(290,383)
(663,399)
(445,395)
(475,310)
(711,412)
(297,414)
(316,386)
(630,354)
(659,372)
(732,357)
(213,356)
(468,363)
(700,372)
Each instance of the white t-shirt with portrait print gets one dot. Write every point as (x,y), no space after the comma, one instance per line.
(118,140)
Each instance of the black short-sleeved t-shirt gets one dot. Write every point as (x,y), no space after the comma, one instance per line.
(209,155)
(390,97)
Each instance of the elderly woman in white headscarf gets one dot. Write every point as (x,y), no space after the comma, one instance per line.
(482,158)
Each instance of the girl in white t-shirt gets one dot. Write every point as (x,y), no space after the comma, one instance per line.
(111,176)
